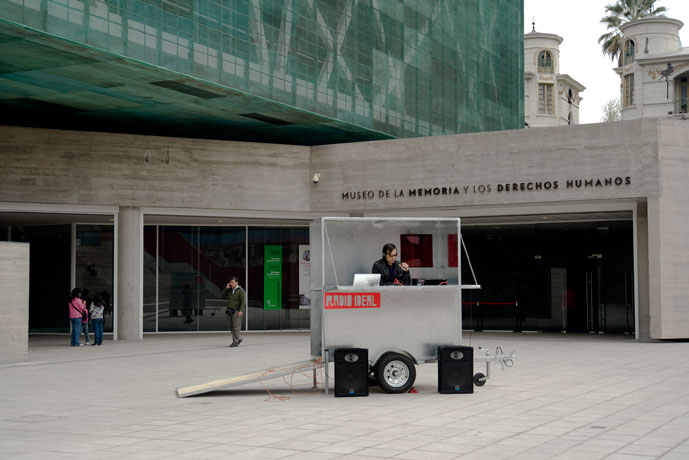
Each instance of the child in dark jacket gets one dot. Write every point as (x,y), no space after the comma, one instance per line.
(85,322)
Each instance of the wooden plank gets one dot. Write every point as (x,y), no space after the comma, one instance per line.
(270,373)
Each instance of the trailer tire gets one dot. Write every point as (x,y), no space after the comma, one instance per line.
(479,379)
(395,373)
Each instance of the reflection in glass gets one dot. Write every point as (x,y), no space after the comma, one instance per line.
(288,315)
(150,267)
(417,250)
(194,264)
(222,255)
(178,278)
(575,276)
(94,265)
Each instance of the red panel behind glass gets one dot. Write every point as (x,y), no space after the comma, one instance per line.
(452,250)
(417,250)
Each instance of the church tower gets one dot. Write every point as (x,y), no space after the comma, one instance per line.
(550,98)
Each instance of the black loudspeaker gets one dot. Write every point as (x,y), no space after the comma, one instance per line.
(351,372)
(455,369)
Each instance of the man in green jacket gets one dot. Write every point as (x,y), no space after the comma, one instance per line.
(236,304)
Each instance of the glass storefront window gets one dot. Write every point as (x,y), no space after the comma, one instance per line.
(574,276)
(273,300)
(186,269)
(179,281)
(222,254)
(150,279)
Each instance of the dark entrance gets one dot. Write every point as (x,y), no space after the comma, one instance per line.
(573,277)
(52,246)
(49,275)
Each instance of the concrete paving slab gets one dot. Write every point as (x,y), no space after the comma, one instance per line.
(567,396)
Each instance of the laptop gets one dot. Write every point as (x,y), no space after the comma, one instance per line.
(366,279)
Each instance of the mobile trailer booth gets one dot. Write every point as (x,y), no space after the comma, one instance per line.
(400,326)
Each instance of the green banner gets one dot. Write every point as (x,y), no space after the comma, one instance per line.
(272,277)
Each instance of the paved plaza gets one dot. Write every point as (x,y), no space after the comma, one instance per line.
(566,397)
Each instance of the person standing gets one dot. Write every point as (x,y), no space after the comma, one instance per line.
(85,324)
(186,303)
(391,271)
(76,308)
(86,298)
(97,310)
(236,304)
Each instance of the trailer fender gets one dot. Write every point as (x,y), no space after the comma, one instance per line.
(374,359)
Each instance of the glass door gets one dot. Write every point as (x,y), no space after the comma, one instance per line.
(557,278)
(595,309)
(609,297)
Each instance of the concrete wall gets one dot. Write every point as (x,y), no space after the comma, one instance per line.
(130,274)
(480,167)
(53,167)
(621,165)
(69,167)
(670,251)
(652,153)
(14,302)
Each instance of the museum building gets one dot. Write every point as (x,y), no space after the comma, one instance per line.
(572,228)
(151,176)
(286,73)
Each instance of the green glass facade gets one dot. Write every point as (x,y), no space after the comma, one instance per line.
(376,69)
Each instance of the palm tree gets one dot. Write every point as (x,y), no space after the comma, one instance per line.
(622,12)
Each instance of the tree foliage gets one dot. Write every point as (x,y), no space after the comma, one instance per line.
(611,111)
(620,13)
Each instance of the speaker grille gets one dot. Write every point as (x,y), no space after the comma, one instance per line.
(455,369)
(351,372)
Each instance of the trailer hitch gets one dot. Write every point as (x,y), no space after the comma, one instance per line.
(499,357)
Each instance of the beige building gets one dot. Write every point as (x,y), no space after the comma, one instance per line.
(654,69)
(550,98)
(577,229)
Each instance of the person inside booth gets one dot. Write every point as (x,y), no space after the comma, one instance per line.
(391,271)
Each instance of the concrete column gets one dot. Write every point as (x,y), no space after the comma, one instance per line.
(643,307)
(130,227)
(14,302)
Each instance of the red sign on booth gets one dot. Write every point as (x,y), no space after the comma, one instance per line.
(347,300)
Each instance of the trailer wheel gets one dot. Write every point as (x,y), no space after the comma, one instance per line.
(479,379)
(395,373)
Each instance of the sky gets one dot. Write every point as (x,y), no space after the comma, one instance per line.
(578,23)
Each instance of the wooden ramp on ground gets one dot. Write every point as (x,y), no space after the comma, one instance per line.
(270,373)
